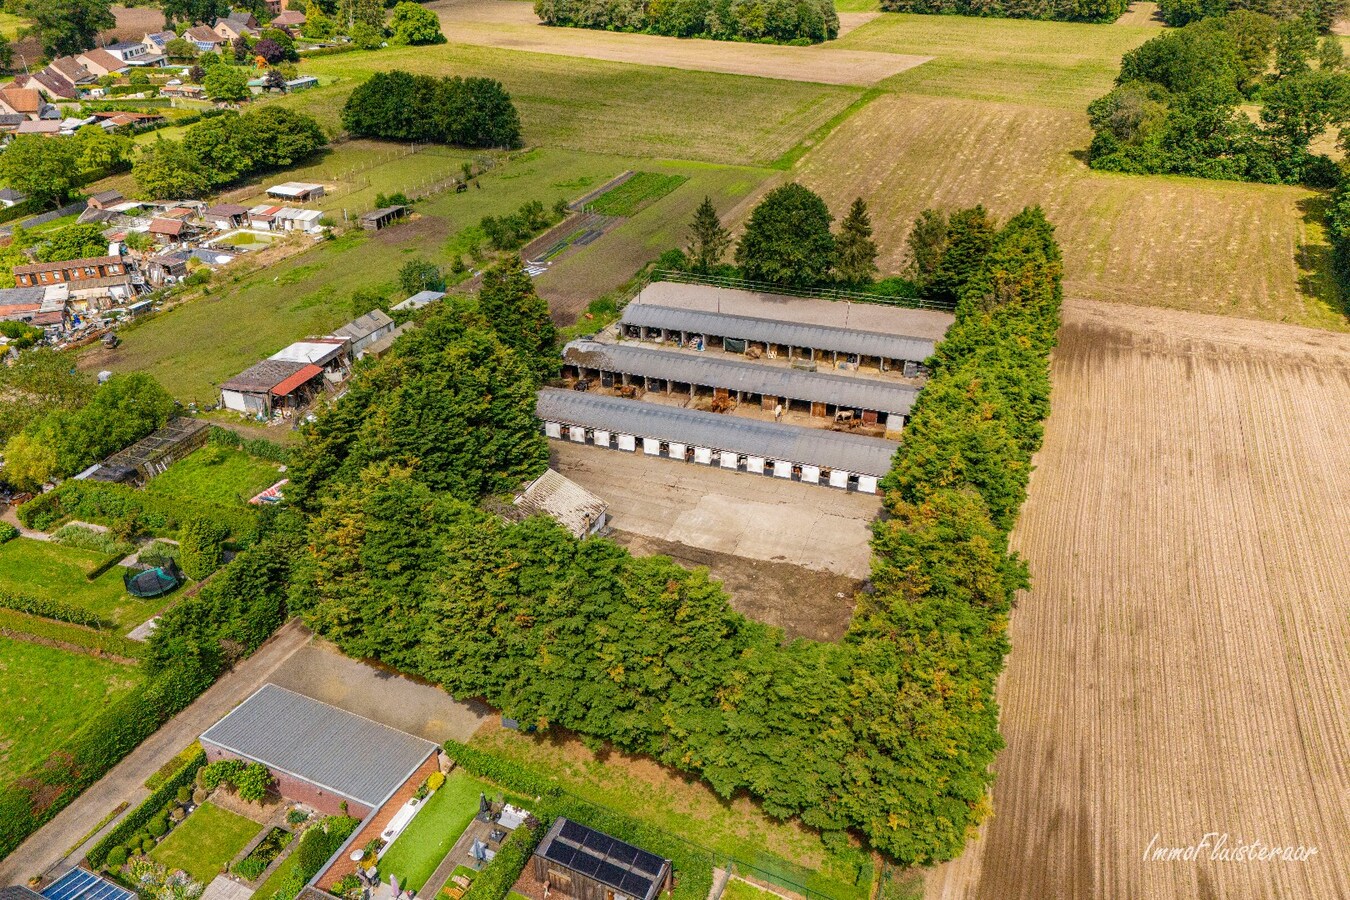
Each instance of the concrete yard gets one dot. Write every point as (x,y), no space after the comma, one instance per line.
(319,670)
(754,516)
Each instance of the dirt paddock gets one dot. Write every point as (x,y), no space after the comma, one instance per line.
(1181,666)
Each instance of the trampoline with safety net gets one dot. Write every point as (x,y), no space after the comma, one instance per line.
(153,582)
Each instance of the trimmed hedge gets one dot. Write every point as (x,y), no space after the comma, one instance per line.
(495,881)
(161,797)
(50,630)
(56,610)
(30,801)
(504,772)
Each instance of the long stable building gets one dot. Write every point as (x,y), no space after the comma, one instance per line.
(847,336)
(811,455)
(872,400)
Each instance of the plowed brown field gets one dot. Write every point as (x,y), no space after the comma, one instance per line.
(1182,664)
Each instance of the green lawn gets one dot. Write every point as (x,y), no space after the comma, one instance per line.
(50,570)
(641,190)
(216,474)
(417,852)
(205,842)
(47,694)
(739,889)
(11,25)
(1060,64)
(609,107)
(779,851)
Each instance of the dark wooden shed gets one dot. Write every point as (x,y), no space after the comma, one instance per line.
(589,865)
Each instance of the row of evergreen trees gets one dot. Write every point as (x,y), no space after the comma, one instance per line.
(889,733)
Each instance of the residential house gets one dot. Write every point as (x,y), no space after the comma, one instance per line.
(366,330)
(135,53)
(291,20)
(236,25)
(100,280)
(106,199)
(157,41)
(10,122)
(72,71)
(23,101)
(205,39)
(49,84)
(10,197)
(226,216)
(110,121)
(169,231)
(100,62)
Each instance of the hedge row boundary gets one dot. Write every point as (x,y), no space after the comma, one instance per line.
(56,610)
(159,798)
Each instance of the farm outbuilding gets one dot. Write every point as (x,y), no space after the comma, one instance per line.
(419,300)
(377,219)
(272,384)
(872,400)
(299,191)
(566,502)
(828,333)
(810,455)
(319,754)
(366,330)
(586,864)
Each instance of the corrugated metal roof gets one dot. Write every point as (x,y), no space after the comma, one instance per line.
(753,378)
(565,501)
(261,377)
(819,337)
(319,352)
(337,750)
(804,446)
(365,326)
(294,381)
(872,317)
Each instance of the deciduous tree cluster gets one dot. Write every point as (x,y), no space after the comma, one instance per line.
(465,112)
(767,21)
(1058,10)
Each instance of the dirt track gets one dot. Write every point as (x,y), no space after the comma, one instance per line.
(512,25)
(1182,664)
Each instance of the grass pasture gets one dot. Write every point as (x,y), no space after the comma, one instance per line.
(216,475)
(686,807)
(609,107)
(205,842)
(1183,243)
(43,569)
(1060,64)
(47,694)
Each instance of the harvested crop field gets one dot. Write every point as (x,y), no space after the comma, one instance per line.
(1184,243)
(514,26)
(1180,666)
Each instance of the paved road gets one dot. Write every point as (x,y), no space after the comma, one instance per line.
(126,782)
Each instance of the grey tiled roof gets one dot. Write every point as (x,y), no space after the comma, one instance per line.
(720,370)
(337,750)
(790,443)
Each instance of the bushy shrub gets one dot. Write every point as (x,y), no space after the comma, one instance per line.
(223,771)
(184,794)
(117,858)
(147,845)
(7,532)
(434,781)
(249,868)
(297,816)
(464,112)
(253,782)
(201,547)
(158,826)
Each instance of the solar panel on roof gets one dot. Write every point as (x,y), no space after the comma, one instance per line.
(610,874)
(574,832)
(78,884)
(647,862)
(561,853)
(622,853)
(598,843)
(635,885)
(586,864)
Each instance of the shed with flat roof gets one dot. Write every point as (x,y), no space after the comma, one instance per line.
(319,754)
(590,865)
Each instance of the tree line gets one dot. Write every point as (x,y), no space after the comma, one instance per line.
(465,112)
(1177,105)
(1057,10)
(889,733)
(764,21)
